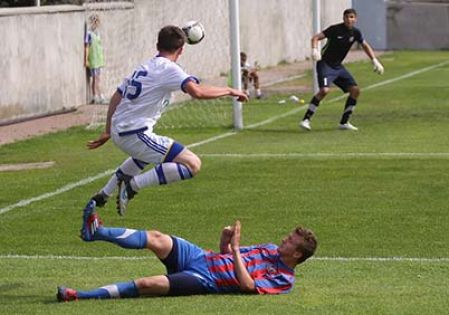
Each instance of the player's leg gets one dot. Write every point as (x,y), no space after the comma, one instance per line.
(346,82)
(173,162)
(255,78)
(325,76)
(130,167)
(245,81)
(94,74)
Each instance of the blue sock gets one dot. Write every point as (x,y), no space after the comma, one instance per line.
(126,238)
(117,290)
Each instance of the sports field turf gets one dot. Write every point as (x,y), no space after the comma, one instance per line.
(377,200)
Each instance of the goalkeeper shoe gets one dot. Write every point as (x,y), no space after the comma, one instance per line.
(348,126)
(100,199)
(91,222)
(66,294)
(125,194)
(305,124)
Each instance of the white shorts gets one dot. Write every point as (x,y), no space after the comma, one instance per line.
(147,146)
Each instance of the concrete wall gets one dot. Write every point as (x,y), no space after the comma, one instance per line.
(41,63)
(274,31)
(372,21)
(41,55)
(418,25)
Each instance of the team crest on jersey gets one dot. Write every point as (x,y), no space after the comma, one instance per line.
(271,270)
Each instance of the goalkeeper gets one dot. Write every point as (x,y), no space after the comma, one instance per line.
(340,38)
(257,269)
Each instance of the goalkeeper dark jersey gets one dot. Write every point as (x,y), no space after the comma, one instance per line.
(339,41)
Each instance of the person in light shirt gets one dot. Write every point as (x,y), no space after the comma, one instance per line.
(134,110)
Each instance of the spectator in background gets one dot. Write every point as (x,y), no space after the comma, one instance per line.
(94,58)
(249,74)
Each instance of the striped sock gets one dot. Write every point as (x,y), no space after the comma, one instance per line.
(117,290)
(162,174)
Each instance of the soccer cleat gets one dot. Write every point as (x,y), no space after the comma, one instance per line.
(66,294)
(91,222)
(347,126)
(305,124)
(100,199)
(125,194)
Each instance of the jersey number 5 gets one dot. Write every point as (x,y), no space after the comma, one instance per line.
(134,88)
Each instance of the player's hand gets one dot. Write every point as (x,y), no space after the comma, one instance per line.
(241,96)
(235,239)
(378,68)
(225,239)
(102,139)
(316,54)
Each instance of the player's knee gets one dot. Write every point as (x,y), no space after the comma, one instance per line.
(324,91)
(194,165)
(354,92)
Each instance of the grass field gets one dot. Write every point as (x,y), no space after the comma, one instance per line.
(377,200)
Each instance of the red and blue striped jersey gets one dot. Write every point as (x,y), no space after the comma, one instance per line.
(270,274)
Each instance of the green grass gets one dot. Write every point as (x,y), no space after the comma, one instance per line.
(366,206)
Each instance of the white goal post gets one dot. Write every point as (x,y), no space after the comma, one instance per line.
(234,37)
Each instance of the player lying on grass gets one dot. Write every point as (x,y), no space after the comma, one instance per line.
(134,110)
(258,269)
(340,38)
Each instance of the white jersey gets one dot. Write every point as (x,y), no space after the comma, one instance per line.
(147,93)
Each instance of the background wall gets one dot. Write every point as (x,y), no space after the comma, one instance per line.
(42,52)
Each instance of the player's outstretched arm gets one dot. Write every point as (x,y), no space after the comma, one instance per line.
(377,66)
(246,283)
(106,135)
(316,54)
(198,91)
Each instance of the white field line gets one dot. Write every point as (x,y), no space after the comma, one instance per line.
(331,155)
(338,259)
(88,180)
(61,190)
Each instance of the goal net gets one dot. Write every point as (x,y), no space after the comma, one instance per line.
(128,32)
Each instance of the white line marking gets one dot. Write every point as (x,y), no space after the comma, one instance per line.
(88,180)
(339,259)
(331,155)
(61,190)
(25,166)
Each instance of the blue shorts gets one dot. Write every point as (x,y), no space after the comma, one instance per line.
(187,269)
(337,75)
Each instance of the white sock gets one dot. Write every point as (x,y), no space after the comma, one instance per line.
(128,167)
(162,174)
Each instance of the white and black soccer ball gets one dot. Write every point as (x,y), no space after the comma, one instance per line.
(194,31)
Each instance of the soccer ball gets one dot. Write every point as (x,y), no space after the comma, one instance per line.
(194,31)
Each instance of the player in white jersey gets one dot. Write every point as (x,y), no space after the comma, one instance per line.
(133,111)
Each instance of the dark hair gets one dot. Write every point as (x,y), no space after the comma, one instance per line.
(349,11)
(309,244)
(170,38)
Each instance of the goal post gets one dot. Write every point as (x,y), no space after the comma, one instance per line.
(234,34)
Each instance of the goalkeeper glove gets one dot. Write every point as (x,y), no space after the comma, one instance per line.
(316,54)
(378,68)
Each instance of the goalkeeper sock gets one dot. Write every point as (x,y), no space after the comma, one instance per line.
(117,290)
(162,174)
(126,238)
(349,108)
(131,167)
(313,106)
